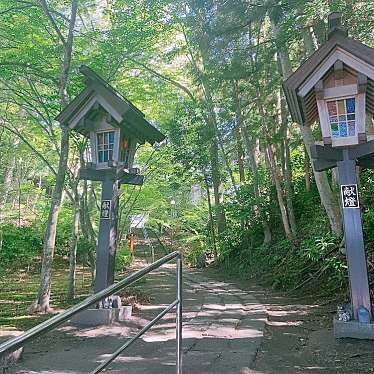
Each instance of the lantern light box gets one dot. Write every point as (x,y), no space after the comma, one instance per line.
(335,87)
(111,123)
(341,106)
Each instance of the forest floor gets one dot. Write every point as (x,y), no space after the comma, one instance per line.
(298,335)
(19,289)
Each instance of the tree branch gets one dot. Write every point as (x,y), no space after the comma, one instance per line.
(28,144)
(161,76)
(44,5)
(67,55)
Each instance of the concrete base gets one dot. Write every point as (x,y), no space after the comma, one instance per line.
(123,313)
(353,329)
(6,361)
(96,317)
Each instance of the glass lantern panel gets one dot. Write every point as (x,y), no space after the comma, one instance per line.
(331,107)
(351,105)
(335,130)
(333,119)
(343,130)
(351,128)
(351,117)
(105,146)
(341,107)
(111,137)
(342,117)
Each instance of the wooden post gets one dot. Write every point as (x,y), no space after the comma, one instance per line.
(354,240)
(107,241)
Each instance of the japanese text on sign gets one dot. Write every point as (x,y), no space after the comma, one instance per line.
(105,209)
(349,193)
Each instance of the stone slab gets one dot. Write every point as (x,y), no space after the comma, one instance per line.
(6,361)
(94,317)
(97,317)
(353,329)
(217,337)
(123,313)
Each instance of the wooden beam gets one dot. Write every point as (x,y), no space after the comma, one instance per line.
(361,150)
(338,70)
(97,175)
(322,165)
(101,175)
(318,89)
(362,82)
(320,152)
(366,162)
(133,179)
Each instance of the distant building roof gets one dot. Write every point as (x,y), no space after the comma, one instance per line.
(125,114)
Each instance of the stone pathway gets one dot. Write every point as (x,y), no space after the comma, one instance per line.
(222,330)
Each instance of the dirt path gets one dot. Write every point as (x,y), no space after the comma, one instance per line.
(222,328)
(298,337)
(230,326)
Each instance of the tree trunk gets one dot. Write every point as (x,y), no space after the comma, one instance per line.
(210,119)
(331,207)
(288,186)
(87,230)
(306,170)
(256,187)
(211,220)
(240,155)
(19,180)
(8,180)
(238,132)
(282,206)
(310,43)
(227,165)
(217,187)
(286,165)
(42,304)
(73,247)
(329,203)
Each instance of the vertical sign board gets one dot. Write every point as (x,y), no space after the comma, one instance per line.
(349,194)
(105,210)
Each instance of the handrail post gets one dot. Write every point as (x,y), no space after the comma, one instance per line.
(179,315)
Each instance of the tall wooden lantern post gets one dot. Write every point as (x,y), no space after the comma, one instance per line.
(114,128)
(335,86)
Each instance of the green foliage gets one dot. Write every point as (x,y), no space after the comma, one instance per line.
(20,245)
(205,74)
(287,265)
(63,232)
(123,257)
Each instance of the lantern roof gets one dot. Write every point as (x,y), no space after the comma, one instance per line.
(100,95)
(356,57)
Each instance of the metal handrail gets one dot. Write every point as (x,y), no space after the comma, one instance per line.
(18,341)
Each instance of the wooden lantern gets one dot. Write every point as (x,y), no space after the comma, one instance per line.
(112,124)
(335,86)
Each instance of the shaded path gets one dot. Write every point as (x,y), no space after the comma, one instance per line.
(222,331)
